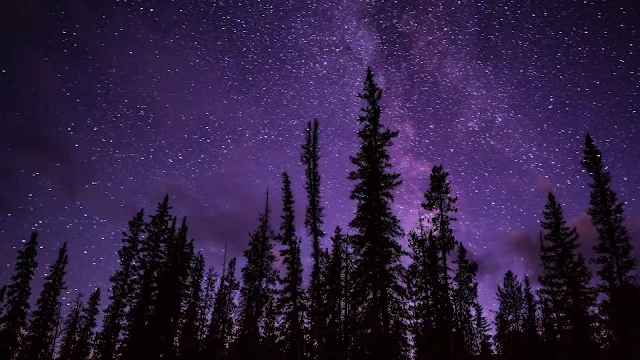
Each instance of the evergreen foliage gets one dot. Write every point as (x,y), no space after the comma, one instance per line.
(71,330)
(221,327)
(509,318)
(87,330)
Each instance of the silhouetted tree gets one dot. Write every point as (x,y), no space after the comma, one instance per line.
(16,305)
(3,292)
(621,308)
(291,301)
(259,278)
(123,285)
(87,329)
(438,200)
(270,346)
(531,337)
(379,296)
(41,336)
(313,224)
(138,342)
(508,320)
(206,303)
(190,342)
(221,327)
(482,345)
(464,296)
(565,288)
(335,345)
(71,330)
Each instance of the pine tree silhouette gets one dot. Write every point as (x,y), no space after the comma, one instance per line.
(313,224)
(482,345)
(16,305)
(464,296)
(621,308)
(221,327)
(190,343)
(379,297)
(509,318)
(206,304)
(121,291)
(336,344)
(86,332)
(292,302)
(441,241)
(71,330)
(259,278)
(565,287)
(531,338)
(40,339)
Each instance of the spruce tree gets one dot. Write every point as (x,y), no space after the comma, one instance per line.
(313,224)
(439,201)
(259,278)
(190,342)
(531,337)
(16,305)
(85,345)
(206,303)
(149,262)
(172,289)
(464,296)
(508,320)
(221,327)
(565,287)
(482,345)
(614,256)
(71,330)
(123,283)
(379,297)
(41,336)
(291,301)
(335,344)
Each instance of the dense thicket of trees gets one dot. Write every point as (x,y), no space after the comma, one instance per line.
(361,301)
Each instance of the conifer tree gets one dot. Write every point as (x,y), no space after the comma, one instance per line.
(87,335)
(482,336)
(509,322)
(438,200)
(221,327)
(565,287)
(206,305)
(313,224)
(614,256)
(16,305)
(335,345)
(378,294)
(464,296)
(172,289)
(123,285)
(41,336)
(71,330)
(190,342)
(531,338)
(270,346)
(149,263)
(291,302)
(259,278)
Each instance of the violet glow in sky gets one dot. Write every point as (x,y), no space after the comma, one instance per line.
(106,107)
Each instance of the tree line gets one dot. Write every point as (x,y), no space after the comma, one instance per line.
(361,303)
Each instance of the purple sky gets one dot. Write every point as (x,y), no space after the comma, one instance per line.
(106,107)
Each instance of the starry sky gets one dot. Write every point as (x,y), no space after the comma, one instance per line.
(108,105)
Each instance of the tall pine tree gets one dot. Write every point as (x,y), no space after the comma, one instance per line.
(379,297)
(614,256)
(71,330)
(206,303)
(464,296)
(565,287)
(41,336)
(85,345)
(509,322)
(291,304)
(439,201)
(221,327)
(336,342)
(259,279)
(482,336)
(313,224)
(123,283)
(190,342)
(16,305)
(531,337)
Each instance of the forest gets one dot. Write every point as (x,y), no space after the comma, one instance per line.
(361,303)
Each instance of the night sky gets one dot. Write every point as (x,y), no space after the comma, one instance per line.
(105,106)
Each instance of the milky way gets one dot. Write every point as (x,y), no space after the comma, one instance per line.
(106,107)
